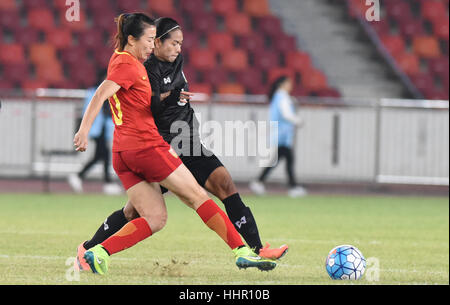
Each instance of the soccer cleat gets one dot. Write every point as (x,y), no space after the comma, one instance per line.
(276,253)
(246,258)
(98,259)
(80,263)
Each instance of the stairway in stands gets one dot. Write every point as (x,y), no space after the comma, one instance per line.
(351,64)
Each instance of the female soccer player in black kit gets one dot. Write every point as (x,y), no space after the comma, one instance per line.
(172,111)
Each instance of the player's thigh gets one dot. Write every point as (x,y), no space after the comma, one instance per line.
(220,183)
(182,183)
(148,202)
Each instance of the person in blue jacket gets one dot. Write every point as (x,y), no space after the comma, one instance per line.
(282,110)
(101,133)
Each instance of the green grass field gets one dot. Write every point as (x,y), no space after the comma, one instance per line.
(409,237)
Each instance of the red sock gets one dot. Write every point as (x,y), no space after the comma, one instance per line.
(130,234)
(218,221)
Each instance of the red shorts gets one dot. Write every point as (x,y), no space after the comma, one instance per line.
(152,164)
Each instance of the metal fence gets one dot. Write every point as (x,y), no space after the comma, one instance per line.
(343,140)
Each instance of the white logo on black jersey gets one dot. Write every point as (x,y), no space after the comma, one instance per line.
(167,80)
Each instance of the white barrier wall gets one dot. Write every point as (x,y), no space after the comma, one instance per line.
(358,143)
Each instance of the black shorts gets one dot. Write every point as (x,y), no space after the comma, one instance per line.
(201,166)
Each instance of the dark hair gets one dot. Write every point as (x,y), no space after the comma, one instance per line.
(164,26)
(130,24)
(275,85)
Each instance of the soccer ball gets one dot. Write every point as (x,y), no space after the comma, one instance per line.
(345,262)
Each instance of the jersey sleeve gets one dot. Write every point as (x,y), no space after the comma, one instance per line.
(123,74)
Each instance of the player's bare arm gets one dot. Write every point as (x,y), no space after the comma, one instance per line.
(104,91)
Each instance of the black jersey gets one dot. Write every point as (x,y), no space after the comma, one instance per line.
(170,112)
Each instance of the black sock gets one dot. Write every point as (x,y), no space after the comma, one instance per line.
(242,218)
(111,225)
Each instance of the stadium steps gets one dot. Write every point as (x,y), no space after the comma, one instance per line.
(350,64)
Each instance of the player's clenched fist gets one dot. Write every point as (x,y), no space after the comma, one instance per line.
(80,141)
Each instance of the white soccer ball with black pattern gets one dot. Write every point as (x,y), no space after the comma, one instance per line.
(345,262)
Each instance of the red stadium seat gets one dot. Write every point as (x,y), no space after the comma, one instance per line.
(34,4)
(409,63)
(202,59)
(393,43)
(42,53)
(191,74)
(252,43)
(398,10)
(9,19)
(220,42)
(191,40)
(235,60)
(16,72)
(26,36)
(299,61)
(275,73)
(162,8)
(60,38)
(264,59)
(6,84)
(192,6)
(328,92)
(284,42)
(230,88)
(441,28)
(382,27)
(314,80)
(97,5)
(104,20)
(32,84)
(12,53)
(426,46)
(216,76)
(204,23)
(130,6)
(411,28)
(86,77)
(50,71)
(91,39)
(256,8)
(238,23)
(8,5)
(252,80)
(269,25)
(224,7)
(72,56)
(439,66)
(434,9)
(41,18)
(102,56)
(200,88)
(423,81)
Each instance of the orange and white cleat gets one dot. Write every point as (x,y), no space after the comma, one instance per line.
(80,263)
(276,253)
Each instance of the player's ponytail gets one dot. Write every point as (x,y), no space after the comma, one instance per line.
(130,24)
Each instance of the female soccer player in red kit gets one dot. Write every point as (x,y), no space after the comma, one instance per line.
(141,158)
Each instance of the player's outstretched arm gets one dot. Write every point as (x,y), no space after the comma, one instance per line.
(104,91)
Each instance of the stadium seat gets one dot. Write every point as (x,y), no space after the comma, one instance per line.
(297,60)
(314,80)
(220,41)
(251,43)
(130,6)
(162,8)
(277,72)
(9,19)
(97,5)
(252,80)
(215,76)
(41,19)
(32,84)
(202,59)
(399,10)
(192,6)
(191,40)
(411,28)
(439,67)
(381,27)
(256,8)
(204,23)
(393,43)
(238,24)
(423,81)
(8,5)
(12,53)
(104,20)
(85,77)
(224,7)
(235,60)
(34,4)
(265,59)
(26,36)
(284,42)
(42,53)
(6,84)
(59,38)
(434,9)
(426,46)
(200,88)
(72,56)
(230,88)
(441,28)
(16,72)
(328,92)
(91,39)
(269,25)
(408,62)
(102,56)
(50,71)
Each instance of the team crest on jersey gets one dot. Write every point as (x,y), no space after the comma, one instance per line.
(167,80)
(144,77)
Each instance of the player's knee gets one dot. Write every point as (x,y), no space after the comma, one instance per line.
(157,221)
(196,196)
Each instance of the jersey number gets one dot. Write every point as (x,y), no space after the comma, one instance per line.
(118,117)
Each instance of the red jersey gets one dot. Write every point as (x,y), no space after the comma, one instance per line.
(130,106)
